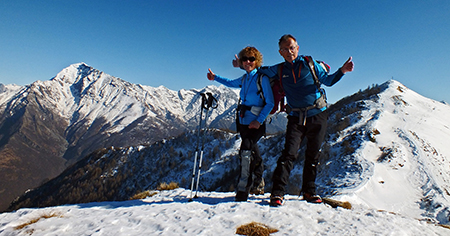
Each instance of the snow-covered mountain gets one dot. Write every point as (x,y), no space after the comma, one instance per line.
(82,94)
(385,149)
(393,153)
(49,125)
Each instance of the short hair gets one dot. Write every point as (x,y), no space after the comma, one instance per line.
(284,38)
(252,51)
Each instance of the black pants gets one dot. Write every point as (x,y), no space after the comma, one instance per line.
(314,131)
(250,138)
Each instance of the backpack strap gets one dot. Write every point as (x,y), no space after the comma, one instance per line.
(313,71)
(259,86)
(320,102)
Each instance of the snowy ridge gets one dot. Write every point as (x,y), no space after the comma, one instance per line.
(7,92)
(404,157)
(82,93)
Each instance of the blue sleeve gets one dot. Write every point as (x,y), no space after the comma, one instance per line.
(233,83)
(270,71)
(325,78)
(268,96)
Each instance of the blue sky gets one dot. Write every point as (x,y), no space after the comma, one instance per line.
(173,43)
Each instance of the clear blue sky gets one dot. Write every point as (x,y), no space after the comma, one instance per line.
(173,43)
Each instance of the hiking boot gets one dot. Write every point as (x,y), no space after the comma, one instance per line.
(241,196)
(259,190)
(312,198)
(276,201)
(256,191)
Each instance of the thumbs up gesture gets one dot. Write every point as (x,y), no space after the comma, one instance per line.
(348,66)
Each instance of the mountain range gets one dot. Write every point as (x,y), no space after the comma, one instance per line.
(386,146)
(47,126)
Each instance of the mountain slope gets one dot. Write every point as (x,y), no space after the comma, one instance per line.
(49,125)
(385,149)
(395,148)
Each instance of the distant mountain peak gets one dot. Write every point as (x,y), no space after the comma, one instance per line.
(73,73)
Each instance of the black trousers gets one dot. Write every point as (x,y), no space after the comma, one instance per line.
(250,138)
(314,131)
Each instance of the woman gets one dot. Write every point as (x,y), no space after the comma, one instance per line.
(253,109)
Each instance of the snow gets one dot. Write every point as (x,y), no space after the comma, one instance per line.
(212,213)
(413,178)
(406,194)
(8,91)
(82,93)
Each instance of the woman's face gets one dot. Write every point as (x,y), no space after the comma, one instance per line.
(248,62)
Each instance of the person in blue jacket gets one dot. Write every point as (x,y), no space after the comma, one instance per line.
(253,109)
(307,116)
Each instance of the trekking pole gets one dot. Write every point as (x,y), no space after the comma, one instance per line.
(209,104)
(202,105)
(211,99)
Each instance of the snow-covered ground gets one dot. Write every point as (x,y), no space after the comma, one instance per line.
(212,213)
(397,180)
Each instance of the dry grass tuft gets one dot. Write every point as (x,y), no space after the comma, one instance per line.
(347,205)
(143,195)
(161,187)
(255,229)
(165,186)
(336,203)
(444,226)
(34,220)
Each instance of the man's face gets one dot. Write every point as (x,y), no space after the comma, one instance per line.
(289,50)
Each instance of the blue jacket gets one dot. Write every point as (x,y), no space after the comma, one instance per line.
(249,95)
(298,83)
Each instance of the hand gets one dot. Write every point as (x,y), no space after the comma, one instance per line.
(254,125)
(210,74)
(348,66)
(236,61)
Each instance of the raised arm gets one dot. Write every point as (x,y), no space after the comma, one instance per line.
(331,79)
(234,83)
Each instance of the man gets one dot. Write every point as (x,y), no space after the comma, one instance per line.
(305,118)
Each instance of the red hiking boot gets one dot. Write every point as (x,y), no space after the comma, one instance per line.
(312,198)
(276,201)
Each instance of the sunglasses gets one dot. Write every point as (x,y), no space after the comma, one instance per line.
(251,59)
